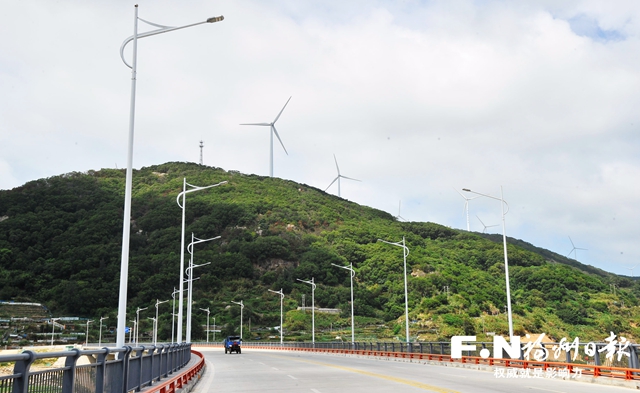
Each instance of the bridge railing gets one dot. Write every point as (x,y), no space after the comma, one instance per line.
(109,370)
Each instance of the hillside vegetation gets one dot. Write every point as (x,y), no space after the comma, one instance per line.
(60,243)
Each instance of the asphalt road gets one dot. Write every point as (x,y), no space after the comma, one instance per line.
(283,371)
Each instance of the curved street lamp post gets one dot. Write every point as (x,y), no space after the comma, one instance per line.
(194,241)
(208,312)
(138,323)
(353,274)
(241,309)
(405,252)
(173,314)
(100,337)
(126,225)
(281,299)
(87,336)
(506,259)
(155,336)
(183,194)
(313,309)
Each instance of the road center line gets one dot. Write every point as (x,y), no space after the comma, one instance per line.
(381,376)
(291,376)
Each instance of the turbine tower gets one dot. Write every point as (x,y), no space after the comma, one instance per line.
(574,249)
(273,131)
(338,177)
(399,217)
(466,207)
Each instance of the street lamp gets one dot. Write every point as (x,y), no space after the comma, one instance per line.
(281,299)
(53,328)
(183,194)
(138,323)
(353,274)
(158,302)
(313,309)
(190,275)
(241,308)
(87,335)
(208,312)
(173,313)
(100,339)
(506,259)
(194,241)
(126,225)
(214,329)
(155,327)
(405,252)
(135,329)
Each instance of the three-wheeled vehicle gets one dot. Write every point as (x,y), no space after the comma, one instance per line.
(232,344)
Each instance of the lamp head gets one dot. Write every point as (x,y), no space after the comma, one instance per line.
(215,19)
(466,189)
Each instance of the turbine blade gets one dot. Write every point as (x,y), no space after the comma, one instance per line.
(481,221)
(334,180)
(285,105)
(255,124)
(350,178)
(572,245)
(273,128)
(336,160)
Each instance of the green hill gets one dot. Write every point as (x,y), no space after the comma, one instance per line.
(60,245)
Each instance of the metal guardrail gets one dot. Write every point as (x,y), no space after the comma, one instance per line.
(110,370)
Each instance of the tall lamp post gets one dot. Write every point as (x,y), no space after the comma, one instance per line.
(126,225)
(138,323)
(87,335)
(208,312)
(190,297)
(135,327)
(405,252)
(183,194)
(214,329)
(506,259)
(313,309)
(173,314)
(158,302)
(100,337)
(155,326)
(53,328)
(194,241)
(353,273)
(241,308)
(281,299)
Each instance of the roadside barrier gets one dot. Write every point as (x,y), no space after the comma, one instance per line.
(180,381)
(108,370)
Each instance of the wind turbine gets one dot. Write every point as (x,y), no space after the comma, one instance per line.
(631,268)
(466,207)
(338,177)
(399,217)
(486,226)
(273,131)
(575,255)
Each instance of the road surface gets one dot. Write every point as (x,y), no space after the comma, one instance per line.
(288,371)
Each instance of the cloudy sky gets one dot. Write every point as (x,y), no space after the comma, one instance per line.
(418,99)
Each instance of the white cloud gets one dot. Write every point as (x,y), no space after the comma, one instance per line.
(414,98)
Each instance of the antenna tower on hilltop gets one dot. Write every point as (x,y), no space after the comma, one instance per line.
(201,146)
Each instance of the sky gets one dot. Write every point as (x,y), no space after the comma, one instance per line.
(417,99)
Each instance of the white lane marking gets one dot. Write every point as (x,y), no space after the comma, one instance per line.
(547,390)
(315,390)
(454,375)
(261,363)
(274,368)
(291,376)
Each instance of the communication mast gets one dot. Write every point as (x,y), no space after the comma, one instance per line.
(201,146)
